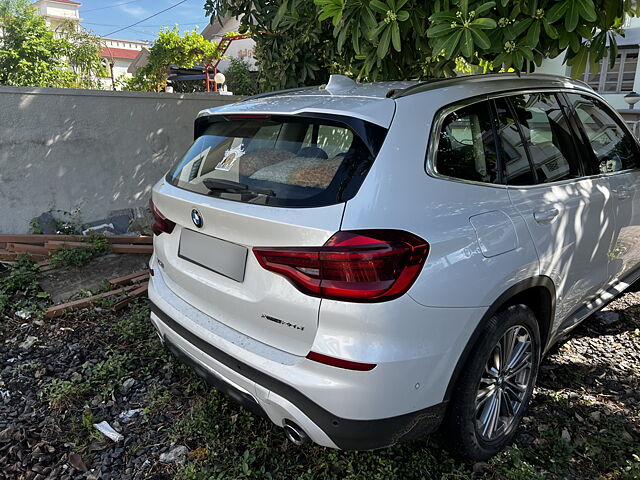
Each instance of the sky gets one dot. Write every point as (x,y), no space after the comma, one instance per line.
(103,17)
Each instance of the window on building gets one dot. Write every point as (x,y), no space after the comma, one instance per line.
(616,79)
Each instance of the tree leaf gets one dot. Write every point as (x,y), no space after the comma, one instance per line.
(579,62)
(439,30)
(464,8)
(486,23)
(450,44)
(402,16)
(485,7)
(480,39)
(557,11)
(522,26)
(383,45)
(572,16)
(279,14)
(613,50)
(379,7)
(587,10)
(533,36)
(395,36)
(466,44)
(368,18)
(549,29)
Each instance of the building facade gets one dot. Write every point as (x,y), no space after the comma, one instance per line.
(244,48)
(120,56)
(57,12)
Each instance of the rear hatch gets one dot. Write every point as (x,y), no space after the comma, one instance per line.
(258,180)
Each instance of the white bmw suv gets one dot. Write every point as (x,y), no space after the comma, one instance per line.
(362,264)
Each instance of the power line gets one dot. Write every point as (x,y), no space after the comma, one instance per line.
(111,6)
(159,25)
(145,19)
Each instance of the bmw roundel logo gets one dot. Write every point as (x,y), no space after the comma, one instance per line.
(196,218)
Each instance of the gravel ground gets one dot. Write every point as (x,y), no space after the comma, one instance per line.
(59,378)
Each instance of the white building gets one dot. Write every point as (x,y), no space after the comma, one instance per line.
(118,53)
(56,12)
(244,48)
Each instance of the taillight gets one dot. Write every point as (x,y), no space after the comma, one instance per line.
(357,266)
(161,224)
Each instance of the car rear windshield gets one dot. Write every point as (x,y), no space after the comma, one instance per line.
(284,161)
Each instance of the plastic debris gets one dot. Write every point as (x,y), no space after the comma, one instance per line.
(175,455)
(23,314)
(128,383)
(126,417)
(108,431)
(28,343)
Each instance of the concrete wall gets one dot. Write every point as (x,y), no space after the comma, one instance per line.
(88,149)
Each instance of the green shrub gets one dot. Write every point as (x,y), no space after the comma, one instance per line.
(240,81)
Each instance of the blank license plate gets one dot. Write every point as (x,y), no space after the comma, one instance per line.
(220,256)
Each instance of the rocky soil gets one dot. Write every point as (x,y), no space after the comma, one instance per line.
(60,378)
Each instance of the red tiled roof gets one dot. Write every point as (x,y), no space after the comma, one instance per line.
(111,52)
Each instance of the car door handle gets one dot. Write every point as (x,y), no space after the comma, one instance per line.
(623,193)
(546,215)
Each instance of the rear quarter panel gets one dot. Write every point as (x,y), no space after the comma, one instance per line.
(399,194)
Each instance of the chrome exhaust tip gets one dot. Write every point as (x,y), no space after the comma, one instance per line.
(294,433)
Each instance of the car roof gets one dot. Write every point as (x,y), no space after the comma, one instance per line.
(375,102)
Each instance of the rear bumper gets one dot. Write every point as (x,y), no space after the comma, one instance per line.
(271,397)
(284,402)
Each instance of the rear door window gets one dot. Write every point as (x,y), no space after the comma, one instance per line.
(547,136)
(513,154)
(279,160)
(614,148)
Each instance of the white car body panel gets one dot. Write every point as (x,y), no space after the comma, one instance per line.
(484,246)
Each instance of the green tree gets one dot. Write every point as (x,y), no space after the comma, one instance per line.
(83,55)
(172,49)
(400,39)
(292,47)
(239,79)
(30,55)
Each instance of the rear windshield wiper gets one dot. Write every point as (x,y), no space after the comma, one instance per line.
(218,185)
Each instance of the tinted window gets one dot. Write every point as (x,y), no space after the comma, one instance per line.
(280,161)
(515,163)
(466,147)
(545,133)
(613,146)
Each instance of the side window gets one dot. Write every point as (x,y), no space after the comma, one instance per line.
(613,146)
(332,140)
(466,146)
(547,136)
(513,155)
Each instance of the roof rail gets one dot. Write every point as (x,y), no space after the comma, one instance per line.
(435,82)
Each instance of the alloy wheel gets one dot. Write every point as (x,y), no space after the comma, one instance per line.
(504,384)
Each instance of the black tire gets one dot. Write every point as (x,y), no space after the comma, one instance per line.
(461,427)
